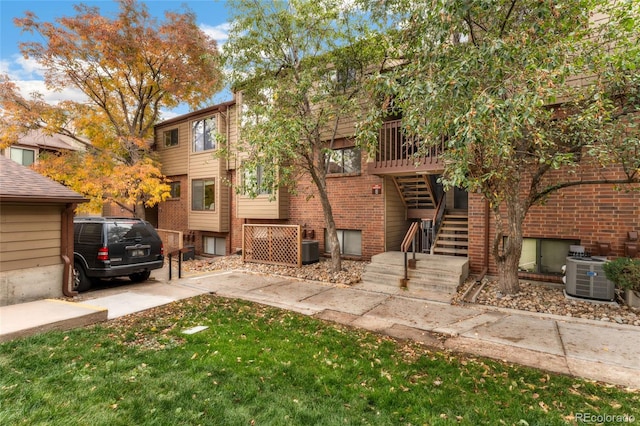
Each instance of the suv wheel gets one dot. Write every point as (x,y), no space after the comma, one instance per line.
(80,280)
(138,277)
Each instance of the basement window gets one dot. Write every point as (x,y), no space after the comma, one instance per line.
(350,242)
(544,256)
(214,245)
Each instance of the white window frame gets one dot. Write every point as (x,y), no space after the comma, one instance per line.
(204,134)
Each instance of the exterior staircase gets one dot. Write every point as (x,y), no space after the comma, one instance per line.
(417,194)
(453,236)
(435,277)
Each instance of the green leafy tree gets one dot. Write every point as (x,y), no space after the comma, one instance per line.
(129,67)
(299,66)
(526,93)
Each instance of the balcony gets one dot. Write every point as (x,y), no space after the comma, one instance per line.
(397,154)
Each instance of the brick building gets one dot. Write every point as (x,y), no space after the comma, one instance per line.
(374,201)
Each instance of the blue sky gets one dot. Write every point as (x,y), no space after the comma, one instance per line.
(211,16)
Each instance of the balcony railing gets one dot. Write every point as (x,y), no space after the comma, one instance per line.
(398,153)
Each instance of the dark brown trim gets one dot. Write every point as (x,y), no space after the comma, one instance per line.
(187,116)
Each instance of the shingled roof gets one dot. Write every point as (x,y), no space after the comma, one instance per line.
(19,183)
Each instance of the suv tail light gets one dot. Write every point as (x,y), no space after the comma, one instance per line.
(161,249)
(103,253)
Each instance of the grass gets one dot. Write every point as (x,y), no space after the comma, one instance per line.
(264,366)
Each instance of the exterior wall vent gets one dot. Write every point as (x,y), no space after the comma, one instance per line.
(585,278)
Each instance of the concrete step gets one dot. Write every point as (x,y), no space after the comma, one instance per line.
(439,274)
(419,272)
(430,284)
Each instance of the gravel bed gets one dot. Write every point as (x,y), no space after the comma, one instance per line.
(531,298)
(552,300)
(351,272)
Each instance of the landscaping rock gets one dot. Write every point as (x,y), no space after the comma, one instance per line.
(532,297)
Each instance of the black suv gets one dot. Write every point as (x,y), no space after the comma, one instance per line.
(106,247)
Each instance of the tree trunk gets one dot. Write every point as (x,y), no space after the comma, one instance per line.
(319,178)
(508,273)
(332,233)
(508,259)
(140,211)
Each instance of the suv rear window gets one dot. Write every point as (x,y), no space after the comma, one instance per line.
(126,231)
(90,233)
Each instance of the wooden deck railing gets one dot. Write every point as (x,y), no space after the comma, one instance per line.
(396,151)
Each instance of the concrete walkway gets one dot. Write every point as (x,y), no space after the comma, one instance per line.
(589,349)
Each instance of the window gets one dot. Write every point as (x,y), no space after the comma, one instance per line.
(544,256)
(346,77)
(26,157)
(203,194)
(204,134)
(175,189)
(350,242)
(88,233)
(171,137)
(253,182)
(215,245)
(124,231)
(343,161)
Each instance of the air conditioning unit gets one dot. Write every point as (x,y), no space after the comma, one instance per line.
(585,278)
(310,252)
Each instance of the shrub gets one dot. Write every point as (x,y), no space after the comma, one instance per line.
(624,272)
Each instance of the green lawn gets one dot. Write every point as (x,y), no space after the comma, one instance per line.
(264,366)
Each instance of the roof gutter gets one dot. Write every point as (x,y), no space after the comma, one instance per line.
(5,198)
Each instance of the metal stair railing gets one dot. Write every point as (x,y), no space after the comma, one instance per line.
(437,222)
(409,241)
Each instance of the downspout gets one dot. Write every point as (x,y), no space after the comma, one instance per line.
(66,249)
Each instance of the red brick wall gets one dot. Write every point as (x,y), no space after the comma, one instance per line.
(354,208)
(173,213)
(589,213)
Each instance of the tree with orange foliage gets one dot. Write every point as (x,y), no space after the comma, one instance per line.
(129,67)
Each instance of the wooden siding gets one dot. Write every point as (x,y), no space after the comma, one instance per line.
(181,160)
(232,134)
(395,222)
(29,236)
(174,159)
(261,207)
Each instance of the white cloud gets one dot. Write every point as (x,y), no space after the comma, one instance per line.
(28,76)
(219,33)
(29,67)
(28,87)
(19,68)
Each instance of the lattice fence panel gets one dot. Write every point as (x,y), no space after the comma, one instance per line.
(172,240)
(274,244)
